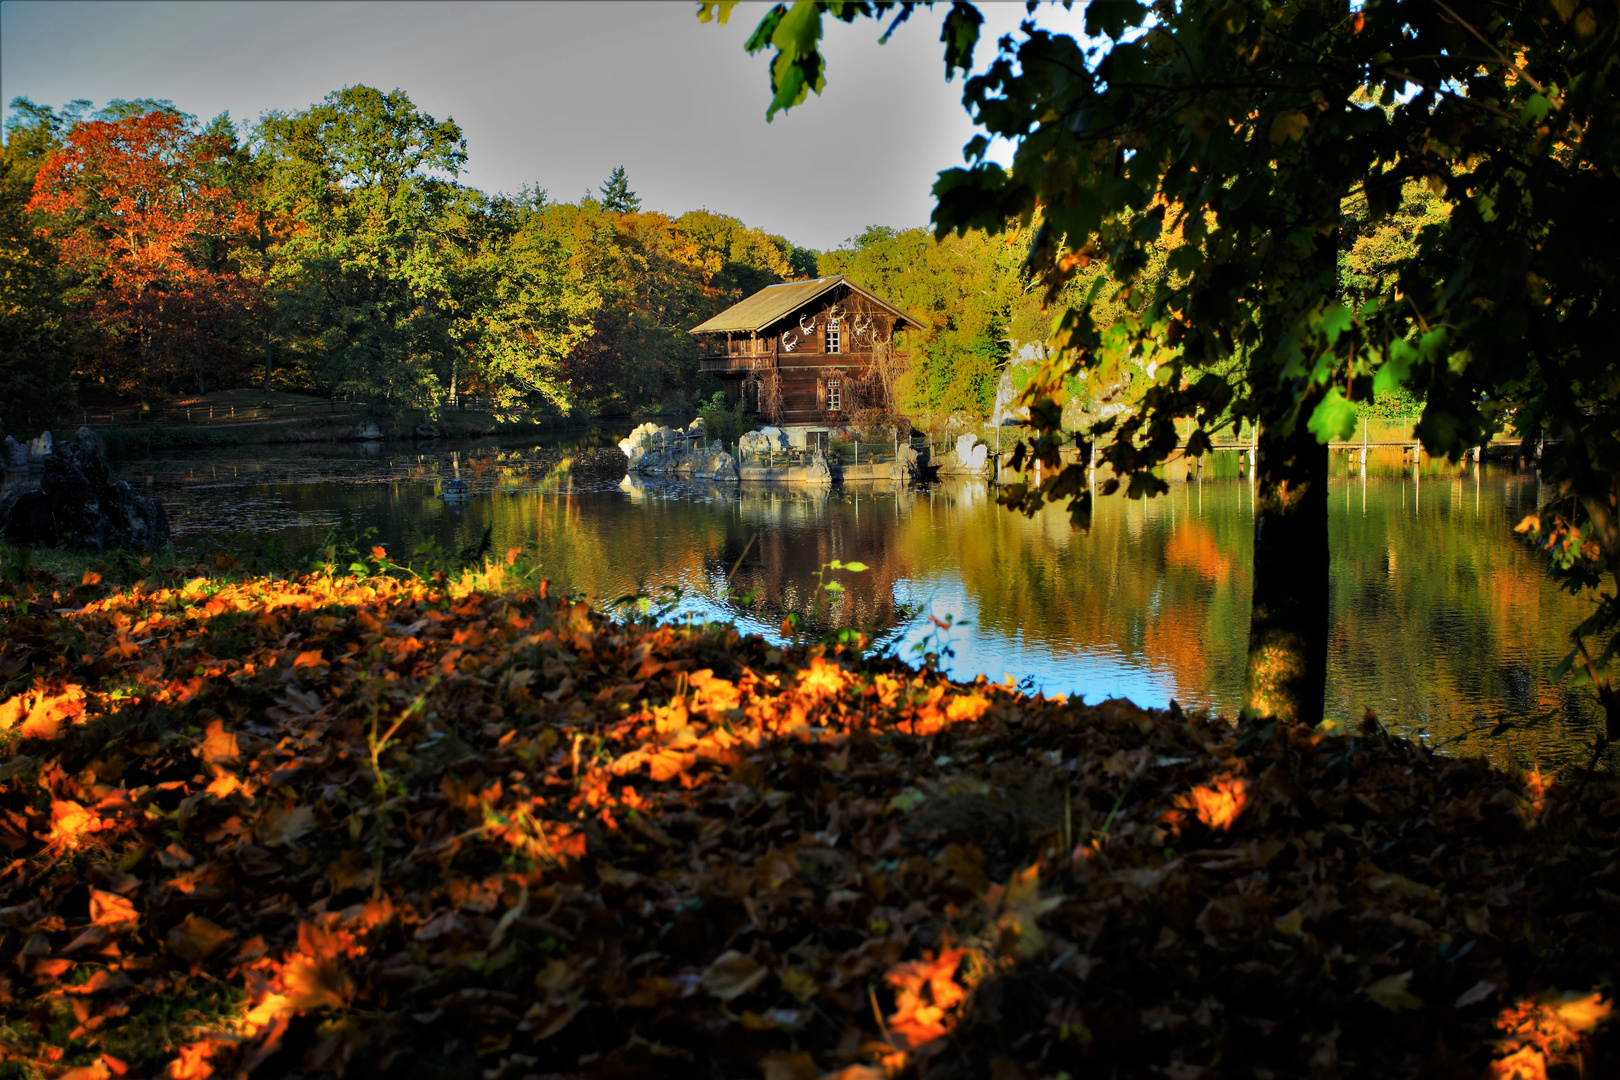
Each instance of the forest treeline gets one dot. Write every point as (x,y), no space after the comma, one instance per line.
(333,250)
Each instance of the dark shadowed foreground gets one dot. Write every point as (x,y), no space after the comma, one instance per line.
(450,828)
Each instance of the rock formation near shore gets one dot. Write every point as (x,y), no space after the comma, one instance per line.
(79,504)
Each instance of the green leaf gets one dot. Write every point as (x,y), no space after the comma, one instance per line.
(1333,418)
(1111,17)
(1335,321)
(960,34)
(710,9)
(797,68)
(1395,370)
(854,567)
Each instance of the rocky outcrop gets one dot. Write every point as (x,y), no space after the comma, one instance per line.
(971,454)
(764,441)
(910,466)
(79,504)
(369,431)
(644,445)
(651,450)
(725,467)
(24,453)
(428,431)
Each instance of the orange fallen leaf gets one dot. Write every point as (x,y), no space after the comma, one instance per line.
(70,821)
(218,745)
(966,707)
(316,982)
(1219,804)
(112,911)
(96,1070)
(925,992)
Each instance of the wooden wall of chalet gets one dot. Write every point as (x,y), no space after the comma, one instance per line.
(854,305)
(806,367)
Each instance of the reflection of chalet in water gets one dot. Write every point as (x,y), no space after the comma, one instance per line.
(805,352)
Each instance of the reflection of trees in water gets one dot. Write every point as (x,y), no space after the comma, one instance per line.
(1161,584)
(1440,620)
(798,531)
(1445,624)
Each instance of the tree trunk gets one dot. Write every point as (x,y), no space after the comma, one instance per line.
(267,361)
(1286,675)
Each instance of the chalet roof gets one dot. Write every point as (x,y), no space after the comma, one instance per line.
(775,302)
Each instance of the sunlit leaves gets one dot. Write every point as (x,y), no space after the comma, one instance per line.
(1334,417)
(801,835)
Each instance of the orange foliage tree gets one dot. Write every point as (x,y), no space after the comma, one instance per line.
(141,215)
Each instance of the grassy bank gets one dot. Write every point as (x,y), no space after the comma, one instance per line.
(446,825)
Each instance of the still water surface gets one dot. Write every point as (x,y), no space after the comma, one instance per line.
(1441,623)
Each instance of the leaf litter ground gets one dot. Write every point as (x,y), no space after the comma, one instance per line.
(372,826)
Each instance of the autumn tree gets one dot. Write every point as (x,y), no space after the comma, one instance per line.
(1246,126)
(145,230)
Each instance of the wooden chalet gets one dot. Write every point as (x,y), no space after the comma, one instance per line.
(804,352)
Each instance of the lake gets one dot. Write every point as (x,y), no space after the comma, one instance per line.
(1442,624)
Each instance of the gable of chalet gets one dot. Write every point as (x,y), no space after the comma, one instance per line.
(775,303)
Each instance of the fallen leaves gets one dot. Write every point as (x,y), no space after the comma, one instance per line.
(1217,805)
(40,713)
(368,824)
(283,824)
(196,939)
(732,975)
(1391,993)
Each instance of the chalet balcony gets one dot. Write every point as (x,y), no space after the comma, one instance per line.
(722,363)
(719,364)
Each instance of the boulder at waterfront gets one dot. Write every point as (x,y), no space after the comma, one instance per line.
(79,504)
(970,453)
(765,440)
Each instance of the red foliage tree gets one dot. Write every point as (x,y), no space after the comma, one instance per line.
(140,210)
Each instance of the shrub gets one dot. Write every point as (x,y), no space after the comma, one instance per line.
(725,424)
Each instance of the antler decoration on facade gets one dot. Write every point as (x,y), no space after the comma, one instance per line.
(863,326)
(788,341)
(807,330)
(835,312)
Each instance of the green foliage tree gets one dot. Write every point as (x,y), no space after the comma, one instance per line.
(530,306)
(35,362)
(962,290)
(1245,127)
(364,183)
(617,198)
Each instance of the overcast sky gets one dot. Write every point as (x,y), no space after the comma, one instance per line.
(554,94)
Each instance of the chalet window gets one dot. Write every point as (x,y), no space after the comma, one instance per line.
(834,395)
(832,335)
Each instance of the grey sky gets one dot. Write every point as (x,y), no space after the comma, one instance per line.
(554,94)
